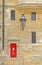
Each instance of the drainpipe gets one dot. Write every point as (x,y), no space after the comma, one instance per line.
(3,26)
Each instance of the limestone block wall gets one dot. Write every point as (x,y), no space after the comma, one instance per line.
(29,1)
(27,53)
(0,2)
(11,2)
(13,28)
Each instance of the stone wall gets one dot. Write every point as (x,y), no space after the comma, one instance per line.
(27,53)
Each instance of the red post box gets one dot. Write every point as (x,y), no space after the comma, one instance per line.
(13,50)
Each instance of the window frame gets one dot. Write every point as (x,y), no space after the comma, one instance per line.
(33,16)
(33,37)
(12,15)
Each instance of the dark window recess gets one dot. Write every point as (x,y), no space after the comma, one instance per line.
(33,16)
(0,12)
(12,14)
(0,39)
(33,37)
(0,26)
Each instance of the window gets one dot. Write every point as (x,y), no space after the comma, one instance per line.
(0,26)
(33,37)
(0,39)
(33,16)
(12,14)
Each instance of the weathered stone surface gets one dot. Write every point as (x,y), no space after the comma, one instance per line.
(27,53)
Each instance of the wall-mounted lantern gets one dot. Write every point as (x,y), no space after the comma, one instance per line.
(23,21)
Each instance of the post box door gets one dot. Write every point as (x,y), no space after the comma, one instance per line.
(13,50)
